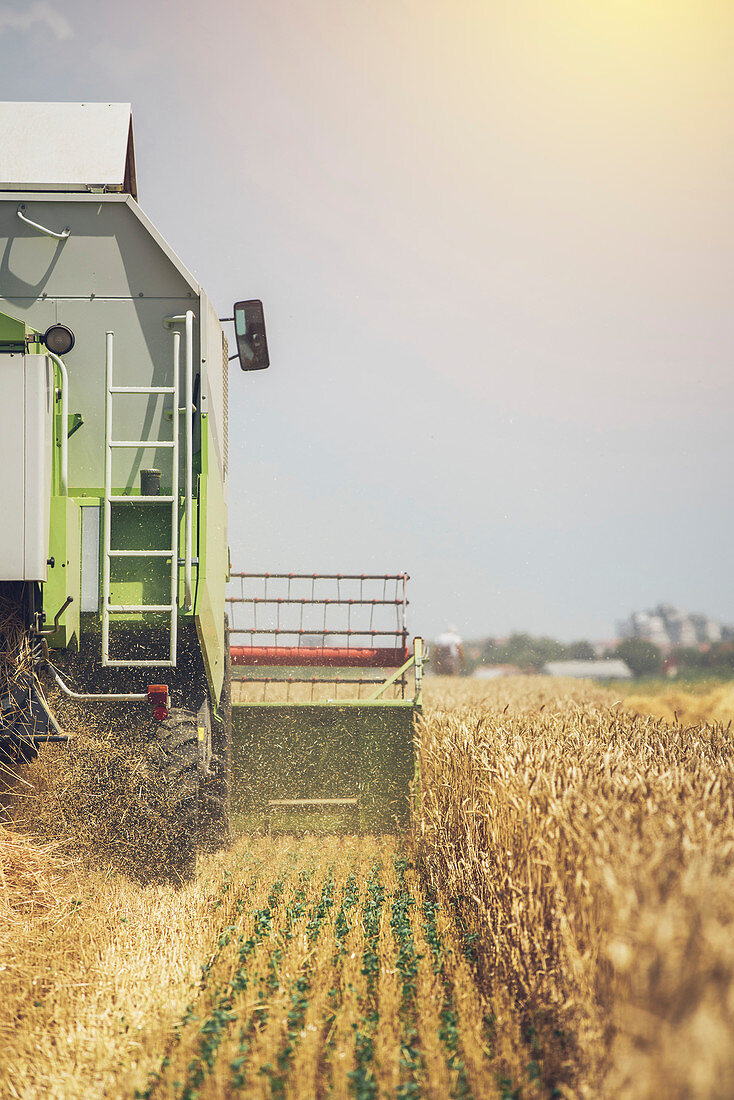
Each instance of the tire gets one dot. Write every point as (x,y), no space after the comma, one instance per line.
(170,795)
(215,806)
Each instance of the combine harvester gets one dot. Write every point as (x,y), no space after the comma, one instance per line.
(113,551)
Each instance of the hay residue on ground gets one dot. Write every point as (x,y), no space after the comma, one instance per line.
(33,881)
(103,796)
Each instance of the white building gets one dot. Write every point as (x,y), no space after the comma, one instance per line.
(612,669)
(667,626)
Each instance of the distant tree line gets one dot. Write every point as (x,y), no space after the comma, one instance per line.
(646,659)
(717,658)
(530,654)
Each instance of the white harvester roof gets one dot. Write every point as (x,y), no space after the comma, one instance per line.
(67,147)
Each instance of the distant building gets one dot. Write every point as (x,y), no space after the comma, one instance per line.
(612,669)
(605,646)
(707,630)
(667,626)
(493,672)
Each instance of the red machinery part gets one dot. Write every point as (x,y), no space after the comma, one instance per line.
(159,701)
(319,656)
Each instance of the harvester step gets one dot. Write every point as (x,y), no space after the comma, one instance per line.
(143,444)
(140,553)
(141,500)
(139,664)
(142,389)
(123,608)
(349,806)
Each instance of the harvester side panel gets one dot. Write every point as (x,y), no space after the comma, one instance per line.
(64,576)
(214,390)
(26,383)
(213,563)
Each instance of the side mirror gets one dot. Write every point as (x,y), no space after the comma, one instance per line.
(249,327)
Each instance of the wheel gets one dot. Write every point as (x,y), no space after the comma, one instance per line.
(215,803)
(170,795)
(15,751)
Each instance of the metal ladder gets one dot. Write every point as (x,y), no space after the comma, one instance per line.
(111,502)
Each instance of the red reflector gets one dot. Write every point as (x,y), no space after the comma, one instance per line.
(158,699)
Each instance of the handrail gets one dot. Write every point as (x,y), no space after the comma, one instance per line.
(305,601)
(189,402)
(187,319)
(176,424)
(418,654)
(108,697)
(42,228)
(109,362)
(64,421)
(324,576)
(388,683)
(316,632)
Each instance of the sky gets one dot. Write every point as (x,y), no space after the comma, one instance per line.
(495,244)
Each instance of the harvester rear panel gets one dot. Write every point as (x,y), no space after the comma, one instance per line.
(315,742)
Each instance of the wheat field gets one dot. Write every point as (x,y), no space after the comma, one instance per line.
(558,923)
(709,702)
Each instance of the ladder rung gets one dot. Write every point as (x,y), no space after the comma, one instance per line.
(143,444)
(140,664)
(142,389)
(123,608)
(140,553)
(141,500)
